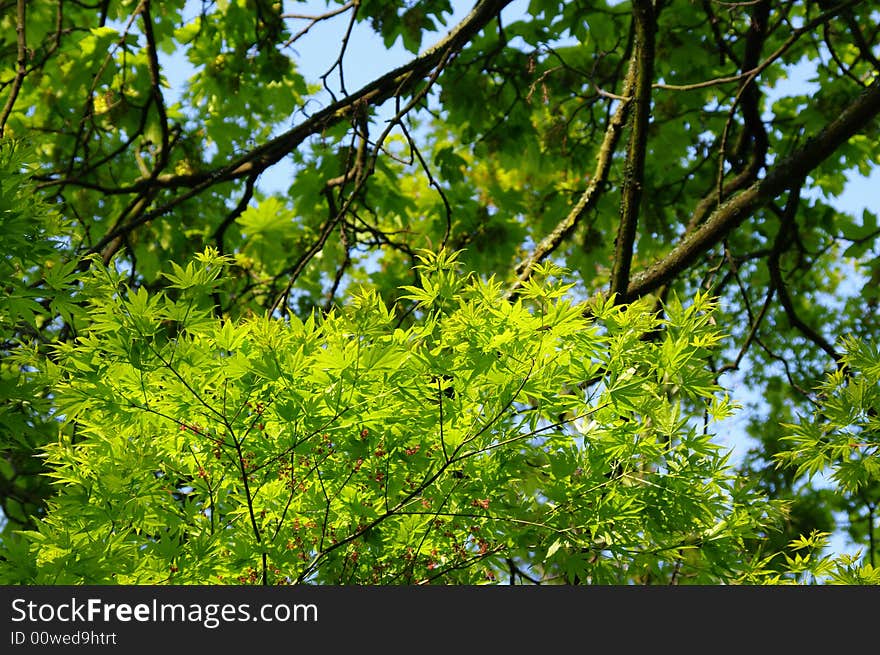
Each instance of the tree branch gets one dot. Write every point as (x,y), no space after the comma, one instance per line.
(591,194)
(734,211)
(156,89)
(781,244)
(21,63)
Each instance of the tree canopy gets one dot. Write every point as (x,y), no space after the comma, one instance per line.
(483,319)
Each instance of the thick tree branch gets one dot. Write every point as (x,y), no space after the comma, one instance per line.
(156,90)
(779,177)
(753,135)
(634,168)
(593,191)
(20,62)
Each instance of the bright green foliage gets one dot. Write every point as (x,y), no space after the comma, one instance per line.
(31,239)
(843,435)
(236,341)
(344,449)
(842,440)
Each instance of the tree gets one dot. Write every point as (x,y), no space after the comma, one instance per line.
(489,327)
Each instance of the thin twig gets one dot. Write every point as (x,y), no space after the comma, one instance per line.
(21,63)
